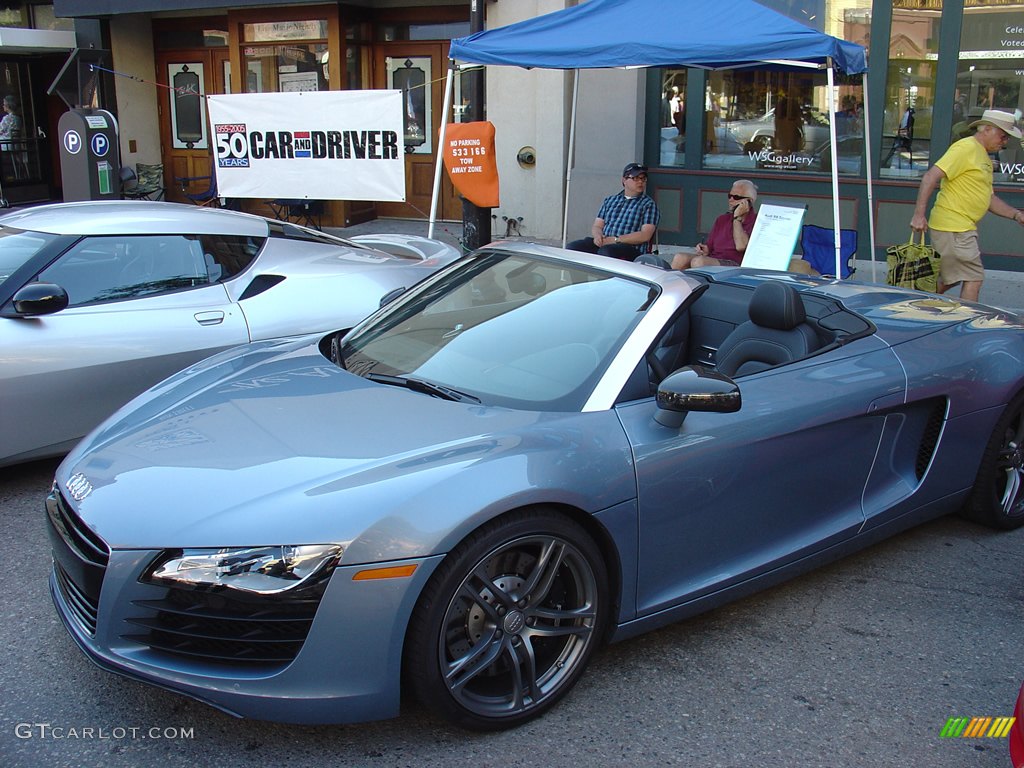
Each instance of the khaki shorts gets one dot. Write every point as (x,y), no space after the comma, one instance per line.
(961,256)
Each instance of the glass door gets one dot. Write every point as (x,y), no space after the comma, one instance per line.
(19,140)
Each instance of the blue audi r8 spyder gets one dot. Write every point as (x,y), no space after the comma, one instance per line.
(528,454)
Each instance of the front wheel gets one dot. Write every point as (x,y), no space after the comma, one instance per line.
(508,622)
(998,496)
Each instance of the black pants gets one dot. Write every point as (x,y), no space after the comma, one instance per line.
(615,250)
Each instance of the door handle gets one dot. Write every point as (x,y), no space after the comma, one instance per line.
(209,318)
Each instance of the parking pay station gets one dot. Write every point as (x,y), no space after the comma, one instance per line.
(90,160)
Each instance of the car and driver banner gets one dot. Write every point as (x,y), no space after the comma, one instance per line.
(317,145)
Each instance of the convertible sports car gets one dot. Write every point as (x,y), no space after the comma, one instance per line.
(99,301)
(528,454)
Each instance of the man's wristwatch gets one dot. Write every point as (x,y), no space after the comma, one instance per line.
(616,238)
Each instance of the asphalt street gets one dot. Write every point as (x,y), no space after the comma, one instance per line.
(858,664)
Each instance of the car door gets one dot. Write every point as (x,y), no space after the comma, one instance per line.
(727,497)
(141,308)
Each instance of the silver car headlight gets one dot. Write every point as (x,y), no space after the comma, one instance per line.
(261,570)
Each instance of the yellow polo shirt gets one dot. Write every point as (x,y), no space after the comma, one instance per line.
(966,192)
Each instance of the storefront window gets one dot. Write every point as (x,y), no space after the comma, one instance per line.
(19,157)
(673,116)
(780,121)
(357,57)
(910,91)
(990,75)
(284,68)
(298,62)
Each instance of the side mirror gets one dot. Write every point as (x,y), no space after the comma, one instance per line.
(695,388)
(38,299)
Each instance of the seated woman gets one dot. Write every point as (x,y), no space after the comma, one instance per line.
(730,233)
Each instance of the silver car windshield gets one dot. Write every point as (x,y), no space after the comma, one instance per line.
(508,329)
(17,247)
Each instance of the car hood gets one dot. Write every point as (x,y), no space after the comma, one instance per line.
(276,445)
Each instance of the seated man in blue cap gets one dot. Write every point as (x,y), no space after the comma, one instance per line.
(627,221)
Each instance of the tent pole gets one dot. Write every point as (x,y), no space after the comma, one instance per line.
(836,223)
(445,105)
(867,166)
(569,156)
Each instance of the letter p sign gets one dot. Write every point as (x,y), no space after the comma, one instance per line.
(73,142)
(100,144)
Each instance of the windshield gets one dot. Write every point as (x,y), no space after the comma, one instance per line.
(509,329)
(17,247)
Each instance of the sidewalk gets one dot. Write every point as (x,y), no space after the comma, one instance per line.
(1001,289)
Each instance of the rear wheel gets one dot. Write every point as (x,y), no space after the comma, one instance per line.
(998,496)
(509,621)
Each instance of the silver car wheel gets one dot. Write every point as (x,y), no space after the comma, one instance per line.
(519,622)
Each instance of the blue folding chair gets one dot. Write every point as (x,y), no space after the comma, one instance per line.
(819,249)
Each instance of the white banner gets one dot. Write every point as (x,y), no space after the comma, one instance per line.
(315,145)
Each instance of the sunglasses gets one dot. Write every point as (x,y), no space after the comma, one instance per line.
(640,177)
(737,197)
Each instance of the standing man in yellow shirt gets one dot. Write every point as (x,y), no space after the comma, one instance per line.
(965,194)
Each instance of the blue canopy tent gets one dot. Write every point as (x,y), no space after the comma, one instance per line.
(724,34)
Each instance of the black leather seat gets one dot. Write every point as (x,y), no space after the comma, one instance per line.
(776,333)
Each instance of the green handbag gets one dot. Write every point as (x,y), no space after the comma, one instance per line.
(913,265)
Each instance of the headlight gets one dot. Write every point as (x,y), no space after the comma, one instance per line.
(262,570)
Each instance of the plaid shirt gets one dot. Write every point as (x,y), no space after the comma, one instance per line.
(622,215)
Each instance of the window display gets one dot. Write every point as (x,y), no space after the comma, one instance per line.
(673,117)
(779,121)
(910,91)
(990,75)
(295,65)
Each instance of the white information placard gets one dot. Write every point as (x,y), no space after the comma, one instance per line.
(774,237)
(309,145)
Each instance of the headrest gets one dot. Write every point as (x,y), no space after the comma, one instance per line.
(777,305)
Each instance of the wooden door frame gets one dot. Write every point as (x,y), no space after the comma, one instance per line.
(179,162)
(449,205)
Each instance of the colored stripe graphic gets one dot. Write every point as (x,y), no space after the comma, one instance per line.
(977,727)
(954,727)
(1001,727)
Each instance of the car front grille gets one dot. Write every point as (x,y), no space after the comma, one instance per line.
(215,625)
(224,628)
(80,560)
